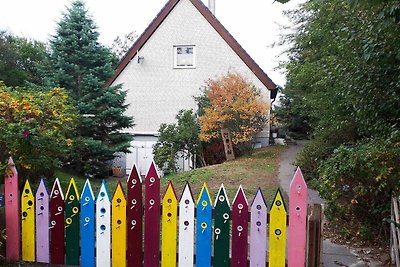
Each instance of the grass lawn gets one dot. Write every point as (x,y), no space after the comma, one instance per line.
(257,169)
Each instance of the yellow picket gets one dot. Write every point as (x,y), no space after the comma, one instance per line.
(277,232)
(169,227)
(118,227)
(28,223)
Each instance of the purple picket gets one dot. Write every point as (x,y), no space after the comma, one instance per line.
(152,218)
(42,224)
(297,221)
(240,218)
(258,231)
(12,212)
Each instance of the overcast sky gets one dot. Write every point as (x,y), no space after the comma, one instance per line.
(253,23)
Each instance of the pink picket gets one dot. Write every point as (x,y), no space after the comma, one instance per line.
(297,239)
(12,212)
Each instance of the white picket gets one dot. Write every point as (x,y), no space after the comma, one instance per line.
(186,227)
(103,227)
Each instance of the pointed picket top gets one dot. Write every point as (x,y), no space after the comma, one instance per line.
(11,166)
(152,172)
(56,191)
(42,223)
(258,230)
(204,195)
(222,197)
(298,184)
(87,193)
(277,231)
(119,192)
(27,190)
(134,176)
(258,199)
(240,197)
(28,223)
(297,220)
(103,192)
(278,202)
(222,214)
(72,191)
(186,227)
(170,192)
(187,195)
(42,188)
(240,214)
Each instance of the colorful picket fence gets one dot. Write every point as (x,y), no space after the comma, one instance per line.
(126,230)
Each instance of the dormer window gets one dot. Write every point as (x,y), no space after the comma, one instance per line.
(184,56)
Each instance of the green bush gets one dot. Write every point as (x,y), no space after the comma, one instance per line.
(358,181)
(319,149)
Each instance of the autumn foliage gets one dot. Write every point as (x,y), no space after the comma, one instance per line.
(35,128)
(233,103)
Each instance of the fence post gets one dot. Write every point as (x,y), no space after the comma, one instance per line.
(394,234)
(315,236)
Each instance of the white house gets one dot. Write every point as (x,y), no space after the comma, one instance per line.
(184,46)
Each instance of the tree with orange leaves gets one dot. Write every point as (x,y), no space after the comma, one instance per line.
(234,103)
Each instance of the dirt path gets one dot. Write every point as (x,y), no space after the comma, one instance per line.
(333,254)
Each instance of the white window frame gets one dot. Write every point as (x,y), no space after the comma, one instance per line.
(175,51)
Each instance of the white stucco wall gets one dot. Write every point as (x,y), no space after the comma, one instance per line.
(157,91)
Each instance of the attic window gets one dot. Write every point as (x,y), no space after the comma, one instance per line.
(184,56)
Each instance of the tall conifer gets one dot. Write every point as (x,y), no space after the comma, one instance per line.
(82,66)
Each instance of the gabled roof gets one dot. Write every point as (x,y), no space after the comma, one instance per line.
(169,6)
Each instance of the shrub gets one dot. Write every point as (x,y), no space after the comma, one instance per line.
(359,180)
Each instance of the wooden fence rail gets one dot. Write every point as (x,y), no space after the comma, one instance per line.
(128,230)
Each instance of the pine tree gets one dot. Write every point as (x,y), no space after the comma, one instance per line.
(82,65)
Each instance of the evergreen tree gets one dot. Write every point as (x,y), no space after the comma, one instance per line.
(81,65)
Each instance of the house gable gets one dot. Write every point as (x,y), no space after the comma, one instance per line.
(205,12)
